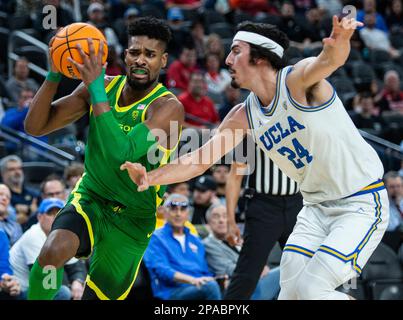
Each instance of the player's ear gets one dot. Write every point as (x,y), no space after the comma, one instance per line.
(164,59)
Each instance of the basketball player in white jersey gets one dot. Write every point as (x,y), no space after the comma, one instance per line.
(296,117)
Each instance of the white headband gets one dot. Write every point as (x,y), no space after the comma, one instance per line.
(261,41)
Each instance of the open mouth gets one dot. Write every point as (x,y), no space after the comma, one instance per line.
(139,73)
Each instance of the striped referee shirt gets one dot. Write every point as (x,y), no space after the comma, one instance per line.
(265,176)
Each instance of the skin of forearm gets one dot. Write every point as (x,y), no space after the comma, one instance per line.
(101,108)
(183,278)
(35,122)
(232,191)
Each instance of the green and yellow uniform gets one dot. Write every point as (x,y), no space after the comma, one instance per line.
(119,219)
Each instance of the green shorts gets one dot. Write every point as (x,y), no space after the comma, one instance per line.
(112,236)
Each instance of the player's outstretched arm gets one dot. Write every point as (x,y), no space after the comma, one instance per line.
(336,49)
(228,135)
(45,116)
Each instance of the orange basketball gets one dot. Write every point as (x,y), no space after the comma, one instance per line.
(64,46)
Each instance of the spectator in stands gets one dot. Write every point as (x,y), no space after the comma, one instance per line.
(179,71)
(176,259)
(9,285)
(231,99)
(9,226)
(376,38)
(14,117)
(52,187)
(314,29)
(214,45)
(23,198)
(96,16)
(291,26)
(197,32)
(370,9)
(179,188)
(364,115)
(163,212)
(26,250)
(72,174)
(391,97)
(394,18)
(184,4)
(220,174)
(394,233)
(252,7)
(121,23)
(217,78)
(204,195)
(222,258)
(199,109)
(330,7)
(180,35)
(20,80)
(115,65)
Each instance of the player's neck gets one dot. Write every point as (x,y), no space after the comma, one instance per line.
(264,85)
(129,94)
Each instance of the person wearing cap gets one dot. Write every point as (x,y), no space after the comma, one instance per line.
(175,258)
(96,16)
(204,195)
(25,251)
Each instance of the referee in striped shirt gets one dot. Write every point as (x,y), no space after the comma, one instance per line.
(273,202)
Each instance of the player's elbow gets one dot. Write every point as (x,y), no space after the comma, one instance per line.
(32,129)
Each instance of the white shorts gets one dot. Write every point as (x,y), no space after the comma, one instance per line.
(348,230)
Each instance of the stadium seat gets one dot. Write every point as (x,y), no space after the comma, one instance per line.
(293,52)
(362,75)
(211,17)
(355,289)
(275,256)
(227,42)
(223,29)
(268,18)
(20,22)
(141,289)
(35,172)
(344,87)
(4,19)
(4,33)
(396,40)
(151,10)
(382,265)
(34,55)
(240,16)
(386,290)
(377,56)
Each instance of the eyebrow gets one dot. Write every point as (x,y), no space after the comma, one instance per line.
(139,49)
(235,46)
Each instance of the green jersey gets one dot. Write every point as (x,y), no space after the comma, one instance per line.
(102,176)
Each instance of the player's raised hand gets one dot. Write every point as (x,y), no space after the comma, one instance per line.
(341,31)
(52,65)
(92,66)
(138,174)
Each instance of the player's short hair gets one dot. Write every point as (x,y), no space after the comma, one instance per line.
(271,32)
(151,27)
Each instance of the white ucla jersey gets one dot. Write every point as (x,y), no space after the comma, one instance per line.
(317,146)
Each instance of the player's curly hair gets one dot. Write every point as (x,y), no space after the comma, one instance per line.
(151,27)
(271,32)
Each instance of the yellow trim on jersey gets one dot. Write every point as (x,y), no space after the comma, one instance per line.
(126,108)
(298,249)
(76,203)
(94,288)
(125,294)
(143,115)
(112,83)
(374,186)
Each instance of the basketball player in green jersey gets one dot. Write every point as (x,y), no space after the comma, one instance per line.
(105,217)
